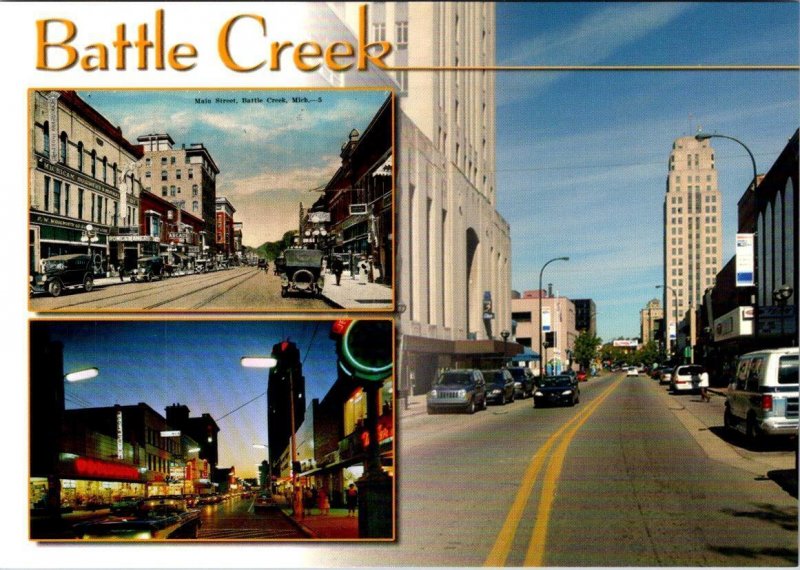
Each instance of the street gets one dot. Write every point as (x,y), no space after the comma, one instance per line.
(631,476)
(236,289)
(235,519)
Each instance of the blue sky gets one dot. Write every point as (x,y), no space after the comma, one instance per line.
(270,156)
(585,153)
(196,363)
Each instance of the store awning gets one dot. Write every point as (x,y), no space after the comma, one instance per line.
(526,356)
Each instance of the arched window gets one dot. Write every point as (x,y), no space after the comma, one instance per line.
(80,156)
(63,148)
(94,164)
(105,168)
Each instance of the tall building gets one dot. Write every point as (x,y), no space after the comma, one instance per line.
(585,315)
(224,226)
(285,382)
(692,229)
(453,249)
(186,176)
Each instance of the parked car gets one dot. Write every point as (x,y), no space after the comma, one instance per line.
(62,271)
(632,371)
(262,263)
(688,378)
(581,376)
(463,390)
(523,382)
(148,268)
(125,505)
(158,517)
(499,386)
(763,398)
(665,376)
(302,272)
(556,390)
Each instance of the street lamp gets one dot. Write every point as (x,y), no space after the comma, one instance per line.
(781,296)
(541,327)
(706,136)
(505,334)
(85,374)
(270,362)
(89,237)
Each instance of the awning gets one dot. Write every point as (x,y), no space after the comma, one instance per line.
(526,356)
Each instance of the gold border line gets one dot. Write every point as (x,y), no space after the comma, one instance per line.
(698,67)
(502,546)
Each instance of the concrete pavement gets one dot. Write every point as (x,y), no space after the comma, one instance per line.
(355,293)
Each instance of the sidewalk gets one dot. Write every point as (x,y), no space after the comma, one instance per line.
(352,293)
(336,525)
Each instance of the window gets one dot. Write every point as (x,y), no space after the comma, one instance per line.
(402,34)
(94,164)
(172,190)
(163,190)
(194,189)
(46,137)
(163,161)
(66,199)
(195,206)
(379,32)
(172,160)
(114,171)
(46,193)
(91,210)
(63,148)
(190,173)
(80,203)
(80,156)
(178,174)
(57,196)
(105,168)
(163,175)
(147,174)
(147,161)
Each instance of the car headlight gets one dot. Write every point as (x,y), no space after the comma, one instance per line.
(433,393)
(517,384)
(538,393)
(284,280)
(496,391)
(566,392)
(462,393)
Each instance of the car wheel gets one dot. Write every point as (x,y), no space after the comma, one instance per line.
(284,292)
(55,288)
(727,419)
(88,283)
(485,405)
(753,432)
(431,411)
(471,407)
(149,276)
(503,400)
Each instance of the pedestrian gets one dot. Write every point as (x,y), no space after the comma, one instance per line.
(363,266)
(337,267)
(308,501)
(121,269)
(370,270)
(352,500)
(323,503)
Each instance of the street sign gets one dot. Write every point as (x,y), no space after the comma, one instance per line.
(745,273)
(358,209)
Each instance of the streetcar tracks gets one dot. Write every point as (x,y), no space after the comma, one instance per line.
(501,549)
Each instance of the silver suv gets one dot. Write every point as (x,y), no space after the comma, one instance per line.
(763,397)
(463,390)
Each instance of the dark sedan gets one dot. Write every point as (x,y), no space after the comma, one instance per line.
(499,386)
(523,382)
(556,390)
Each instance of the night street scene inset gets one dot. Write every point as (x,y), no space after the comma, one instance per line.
(211,200)
(212,430)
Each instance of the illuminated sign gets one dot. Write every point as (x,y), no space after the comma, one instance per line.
(120,445)
(171,433)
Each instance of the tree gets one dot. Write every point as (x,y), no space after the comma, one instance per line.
(586,348)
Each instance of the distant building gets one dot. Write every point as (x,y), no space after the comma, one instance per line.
(649,318)
(585,316)
(224,227)
(692,215)
(186,176)
(559,321)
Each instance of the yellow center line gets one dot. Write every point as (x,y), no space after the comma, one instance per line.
(536,546)
(505,538)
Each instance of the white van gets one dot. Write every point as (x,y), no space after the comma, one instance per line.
(762,400)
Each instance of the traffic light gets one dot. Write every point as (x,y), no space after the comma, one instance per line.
(288,356)
(364,348)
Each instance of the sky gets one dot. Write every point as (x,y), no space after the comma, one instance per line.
(195,363)
(271,156)
(588,150)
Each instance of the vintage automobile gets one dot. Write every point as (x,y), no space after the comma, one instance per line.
(302,272)
(63,271)
(264,501)
(155,518)
(148,268)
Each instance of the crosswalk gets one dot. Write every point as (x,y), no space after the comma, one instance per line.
(246,533)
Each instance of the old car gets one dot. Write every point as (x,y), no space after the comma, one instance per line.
(155,518)
(126,505)
(148,268)
(302,272)
(499,386)
(556,390)
(264,501)
(523,382)
(461,390)
(62,271)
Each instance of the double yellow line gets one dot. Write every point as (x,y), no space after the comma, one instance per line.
(535,554)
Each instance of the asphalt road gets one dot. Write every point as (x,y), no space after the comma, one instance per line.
(234,289)
(631,476)
(235,519)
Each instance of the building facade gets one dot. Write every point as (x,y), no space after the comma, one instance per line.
(224,235)
(692,229)
(82,184)
(558,318)
(586,315)
(649,319)
(186,176)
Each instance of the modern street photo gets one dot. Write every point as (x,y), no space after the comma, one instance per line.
(199,200)
(211,430)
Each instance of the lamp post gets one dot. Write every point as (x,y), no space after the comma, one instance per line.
(781,296)
(675,308)
(271,362)
(89,237)
(505,334)
(706,136)
(541,327)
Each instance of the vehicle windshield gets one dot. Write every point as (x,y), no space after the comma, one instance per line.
(517,373)
(788,369)
(52,265)
(690,370)
(303,257)
(556,381)
(494,376)
(458,378)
